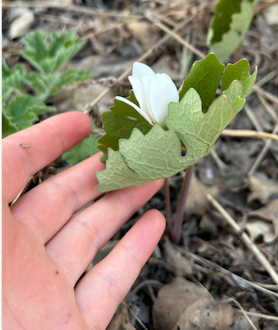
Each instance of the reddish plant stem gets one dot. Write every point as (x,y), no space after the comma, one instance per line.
(176,233)
(168,209)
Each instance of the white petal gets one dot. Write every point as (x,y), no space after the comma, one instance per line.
(164,91)
(134,106)
(148,82)
(139,93)
(139,70)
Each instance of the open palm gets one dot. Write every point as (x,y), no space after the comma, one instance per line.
(46,248)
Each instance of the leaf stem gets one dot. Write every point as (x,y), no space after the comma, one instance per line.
(168,208)
(176,234)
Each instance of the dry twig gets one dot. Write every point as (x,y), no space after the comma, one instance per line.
(250,134)
(245,238)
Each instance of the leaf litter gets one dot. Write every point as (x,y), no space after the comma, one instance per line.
(196,285)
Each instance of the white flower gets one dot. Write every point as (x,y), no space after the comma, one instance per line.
(153,92)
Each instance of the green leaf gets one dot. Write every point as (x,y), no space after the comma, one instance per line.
(72,76)
(157,154)
(37,44)
(119,123)
(42,84)
(24,110)
(204,77)
(49,56)
(21,116)
(6,92)
(117,175)
(7,126)
(241,72)
(142,157)
(7,72)
(229,26)
(12,79)
(57,42)
(82,150)
(48,84)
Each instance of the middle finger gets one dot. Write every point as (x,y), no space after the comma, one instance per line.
(75,246)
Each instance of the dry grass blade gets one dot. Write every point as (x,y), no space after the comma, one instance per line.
(263,316)
(23,190)
(268,107)
(249,134)
(265,149)
(257,125)
(180,40)
(221,165)
(245,238)
(216,267)
(267,95)
(243,312)
(136,317)
(267,77)
(262,153)
(264,6)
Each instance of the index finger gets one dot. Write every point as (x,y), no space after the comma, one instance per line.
(47,141)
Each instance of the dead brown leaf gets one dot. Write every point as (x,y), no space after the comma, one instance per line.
(267,213)
(173,299)
(197,201)
(261,189)
(206,314)
(177,263)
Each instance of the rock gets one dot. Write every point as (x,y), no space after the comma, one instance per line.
(21,25)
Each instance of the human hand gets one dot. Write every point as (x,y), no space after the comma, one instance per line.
(46,249)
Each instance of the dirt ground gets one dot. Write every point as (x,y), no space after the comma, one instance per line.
(224,273)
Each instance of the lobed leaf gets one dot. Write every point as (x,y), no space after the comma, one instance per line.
(23,111)
(229,26)
(239,71)
(204,77)
(12,79)
(49,58)
(117,175)
(42,84)
(119,123)
(82,150)
(143,157)
(21,116)
(73,75)
(157,154)
(7,126)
